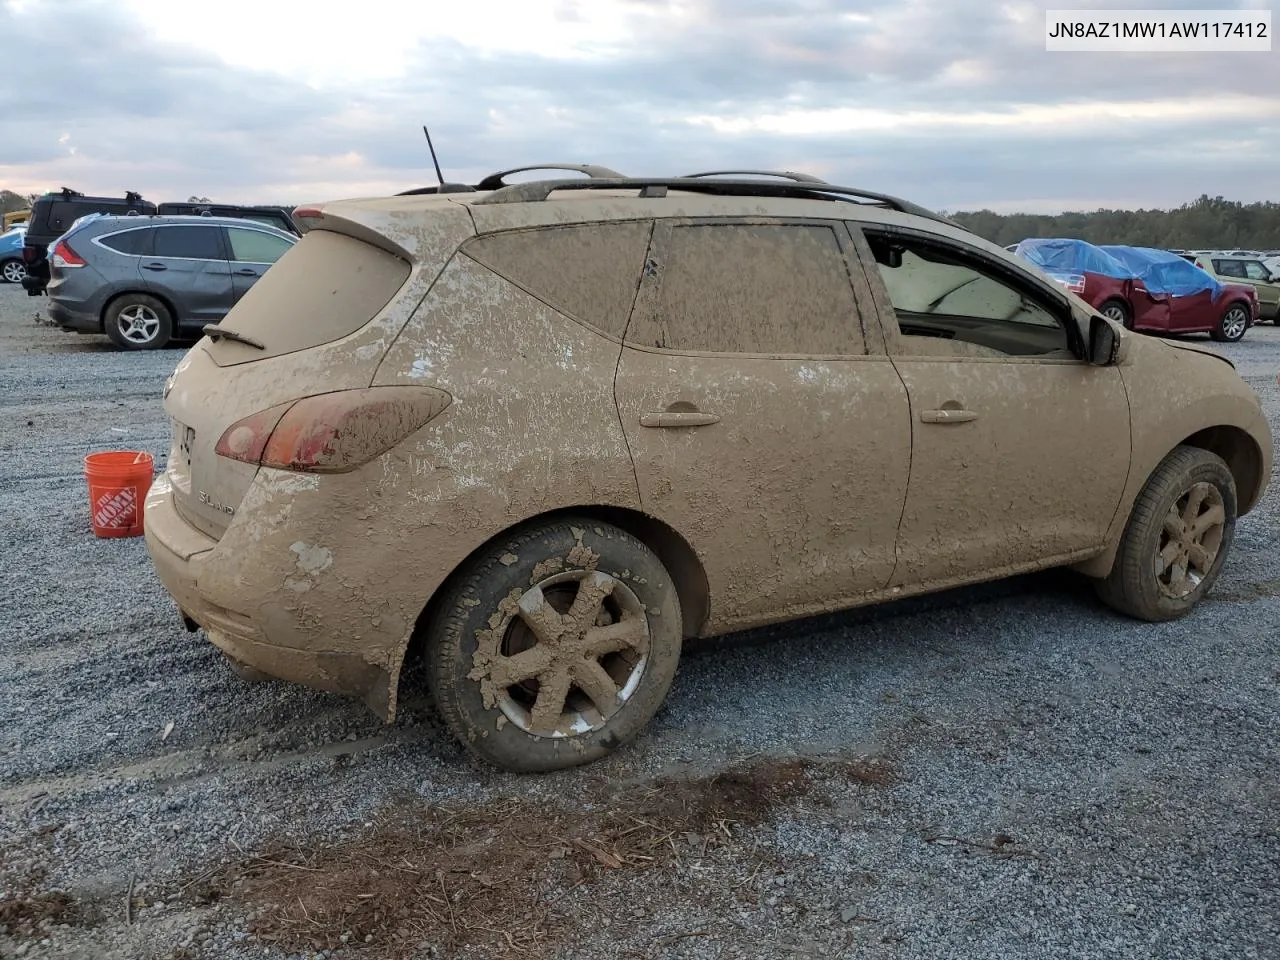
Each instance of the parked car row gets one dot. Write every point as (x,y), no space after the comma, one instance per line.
(53,214)
(1147,289)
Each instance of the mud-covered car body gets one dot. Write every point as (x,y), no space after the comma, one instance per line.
(781,399)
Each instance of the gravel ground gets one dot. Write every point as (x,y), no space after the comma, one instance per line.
(1066,783)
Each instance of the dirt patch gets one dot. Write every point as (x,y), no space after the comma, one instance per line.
(26,911)
(507,879)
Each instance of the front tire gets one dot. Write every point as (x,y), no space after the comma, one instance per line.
(1117,310)
(12,271)
(1176,540)
(1232,326)
(555,647)
(136,321)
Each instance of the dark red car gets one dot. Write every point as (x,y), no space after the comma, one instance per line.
(1146,289)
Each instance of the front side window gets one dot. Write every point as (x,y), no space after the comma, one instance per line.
(948,302)
(779,289)
(254,246)
(1254,270)
(188,243)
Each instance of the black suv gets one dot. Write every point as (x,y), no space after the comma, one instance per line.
(53,214)
(272,216)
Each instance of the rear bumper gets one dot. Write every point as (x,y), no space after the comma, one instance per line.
(67,318)
(245,618)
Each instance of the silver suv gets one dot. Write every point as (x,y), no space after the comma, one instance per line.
(144,280)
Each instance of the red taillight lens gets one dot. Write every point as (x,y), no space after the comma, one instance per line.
(332,432)
(64,256)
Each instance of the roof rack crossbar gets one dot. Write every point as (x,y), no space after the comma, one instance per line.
(538,190)
(496,181)
(784,174)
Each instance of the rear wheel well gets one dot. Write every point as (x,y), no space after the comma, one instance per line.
(173,314)
(679,558)
(1242,456)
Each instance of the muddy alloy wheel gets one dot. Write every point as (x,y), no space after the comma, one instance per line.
(12,271)
(1233,324)
(1177,538)
(556,647)
(138,322)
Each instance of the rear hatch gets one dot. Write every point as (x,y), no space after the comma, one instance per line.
(325,315)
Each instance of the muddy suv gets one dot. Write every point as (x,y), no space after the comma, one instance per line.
(542,435)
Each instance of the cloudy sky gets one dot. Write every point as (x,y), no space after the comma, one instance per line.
(952,103)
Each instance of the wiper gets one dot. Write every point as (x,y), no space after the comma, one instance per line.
(215,332)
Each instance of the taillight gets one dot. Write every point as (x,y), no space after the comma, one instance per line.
(332,432)
(64,256)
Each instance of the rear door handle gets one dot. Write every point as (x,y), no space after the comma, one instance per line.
(154,266)
(679,418)
(947,415)
(246,272)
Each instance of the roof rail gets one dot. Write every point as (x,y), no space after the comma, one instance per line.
(496,181)
(784,174)
(538,190)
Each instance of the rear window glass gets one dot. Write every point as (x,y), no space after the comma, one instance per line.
(327,286)
(133,242)
(190,243)
(589,271)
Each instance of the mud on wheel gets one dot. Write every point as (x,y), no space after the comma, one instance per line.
(1177,538)
(555,647)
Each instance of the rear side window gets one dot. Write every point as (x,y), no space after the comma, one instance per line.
(755,288)
(325,287)
(131,242)
(1229,268)
(254,246)
(188,243)
(589,271)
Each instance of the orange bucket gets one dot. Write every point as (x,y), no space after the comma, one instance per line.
(118,484)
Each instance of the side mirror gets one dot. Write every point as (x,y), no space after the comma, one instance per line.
(1105,340)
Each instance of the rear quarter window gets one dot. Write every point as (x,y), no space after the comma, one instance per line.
(588,271)
(327,286)
(131,242)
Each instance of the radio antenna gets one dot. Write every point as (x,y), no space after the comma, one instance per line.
(439,175)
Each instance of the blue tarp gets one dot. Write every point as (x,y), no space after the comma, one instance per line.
(1061,257)
(1163,272)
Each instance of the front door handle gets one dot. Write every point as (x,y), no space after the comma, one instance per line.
(679,418)
(154,266)
(948,415)
(246,272)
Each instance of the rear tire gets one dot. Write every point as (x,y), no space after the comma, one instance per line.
(1117,310)
(1232,325)
(136,321)
(605,615)
(1177,538)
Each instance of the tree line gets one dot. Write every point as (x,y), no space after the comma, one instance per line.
(1205,223)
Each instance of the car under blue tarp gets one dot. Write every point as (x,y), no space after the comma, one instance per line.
(1162,272)
(1061,256)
